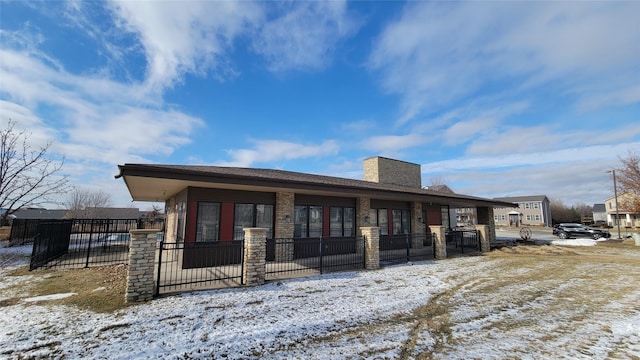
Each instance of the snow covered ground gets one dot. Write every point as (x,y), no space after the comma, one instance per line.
(483,307)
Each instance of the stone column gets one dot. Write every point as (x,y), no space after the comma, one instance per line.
(440,241)
(485,217)
(483,233)
(371,247)
(170,220)
(284,226)
(363,207)
(417,225)
(255,256)
(142,264)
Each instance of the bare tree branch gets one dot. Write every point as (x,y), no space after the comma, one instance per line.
(27,176)
(629,180)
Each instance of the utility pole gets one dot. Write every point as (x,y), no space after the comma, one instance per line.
(615,194)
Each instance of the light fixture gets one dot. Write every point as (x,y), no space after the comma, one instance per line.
(287,218)
(366,219)
(420,220)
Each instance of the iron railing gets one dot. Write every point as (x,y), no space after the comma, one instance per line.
(201,265)
(401,248)
(459,241)
(23,231)
(307,256)
(81,243)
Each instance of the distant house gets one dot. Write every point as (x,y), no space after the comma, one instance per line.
(531,210)
(104,213)
(599,213)
(623,215)
(37,213)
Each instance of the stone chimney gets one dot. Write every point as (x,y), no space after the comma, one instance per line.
(389,171)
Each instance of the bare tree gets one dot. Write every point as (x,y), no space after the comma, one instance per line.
(27,176)
(85,203)
(437,180)
(629,180)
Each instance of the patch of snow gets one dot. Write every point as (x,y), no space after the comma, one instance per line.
(575,242)
(48,297)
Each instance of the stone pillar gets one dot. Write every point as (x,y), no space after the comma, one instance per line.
(483,233)
(440,241)
(142,264)
(363,207)
(255,256)
(485,217)
(372,247)
(284,226)
(284,215)
(171,216)
(417,224)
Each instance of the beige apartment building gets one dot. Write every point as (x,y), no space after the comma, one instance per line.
(531,210)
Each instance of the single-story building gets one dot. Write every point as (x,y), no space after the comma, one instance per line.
(214,203)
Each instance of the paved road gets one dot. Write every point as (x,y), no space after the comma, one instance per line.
(536,234)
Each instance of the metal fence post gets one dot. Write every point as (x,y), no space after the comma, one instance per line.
(408,246)
(157,292)
(321,253)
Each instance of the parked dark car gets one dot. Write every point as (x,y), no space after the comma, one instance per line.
(569,230)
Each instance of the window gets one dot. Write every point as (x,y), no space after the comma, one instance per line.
(527,205)
(528,217)
(536,205)
(342,222)
(208,222)
(400,221)
(496,217)
(307,221)
(252,215)
(537,217)
(380,218)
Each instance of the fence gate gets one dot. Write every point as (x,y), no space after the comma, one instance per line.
(459,241)
(199,266)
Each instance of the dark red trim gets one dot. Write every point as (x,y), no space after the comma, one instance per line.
(226,221)
(192,217)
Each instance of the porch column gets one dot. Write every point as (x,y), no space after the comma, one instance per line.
(485,217)
(255,256)
(363,207)
(170,220)
(284,226)
(440,241)
(371,247)
(142,264)
(417,224)
(483,233)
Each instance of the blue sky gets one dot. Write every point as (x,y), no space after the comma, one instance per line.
(493,98)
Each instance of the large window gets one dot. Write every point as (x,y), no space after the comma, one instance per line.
(342,222)
(252,215)
(181,213)
(208,223)
(400,221)
(380,218)
(307,221)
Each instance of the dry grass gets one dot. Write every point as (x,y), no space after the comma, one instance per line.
(99,289)
(5,232)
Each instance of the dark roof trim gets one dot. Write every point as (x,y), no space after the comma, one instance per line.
(296,180)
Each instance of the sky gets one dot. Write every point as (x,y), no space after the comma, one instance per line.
(491,98)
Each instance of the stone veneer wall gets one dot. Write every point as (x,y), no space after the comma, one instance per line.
(142,264)
(255,256)
(363,207)
(372,247)
(417,225)
(488,233)
(439,238)
(284,206)
(171,217)
(390,171)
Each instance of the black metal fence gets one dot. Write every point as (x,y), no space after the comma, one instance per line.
(81,242)
(23,231)
(396,249)
(202,265)
(307,256)
(459,241)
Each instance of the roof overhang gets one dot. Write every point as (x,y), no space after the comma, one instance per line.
(157,184)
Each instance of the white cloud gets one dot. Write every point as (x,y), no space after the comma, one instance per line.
(185,37)
(386,144)
(437,53)
(274,150)
(304,35)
